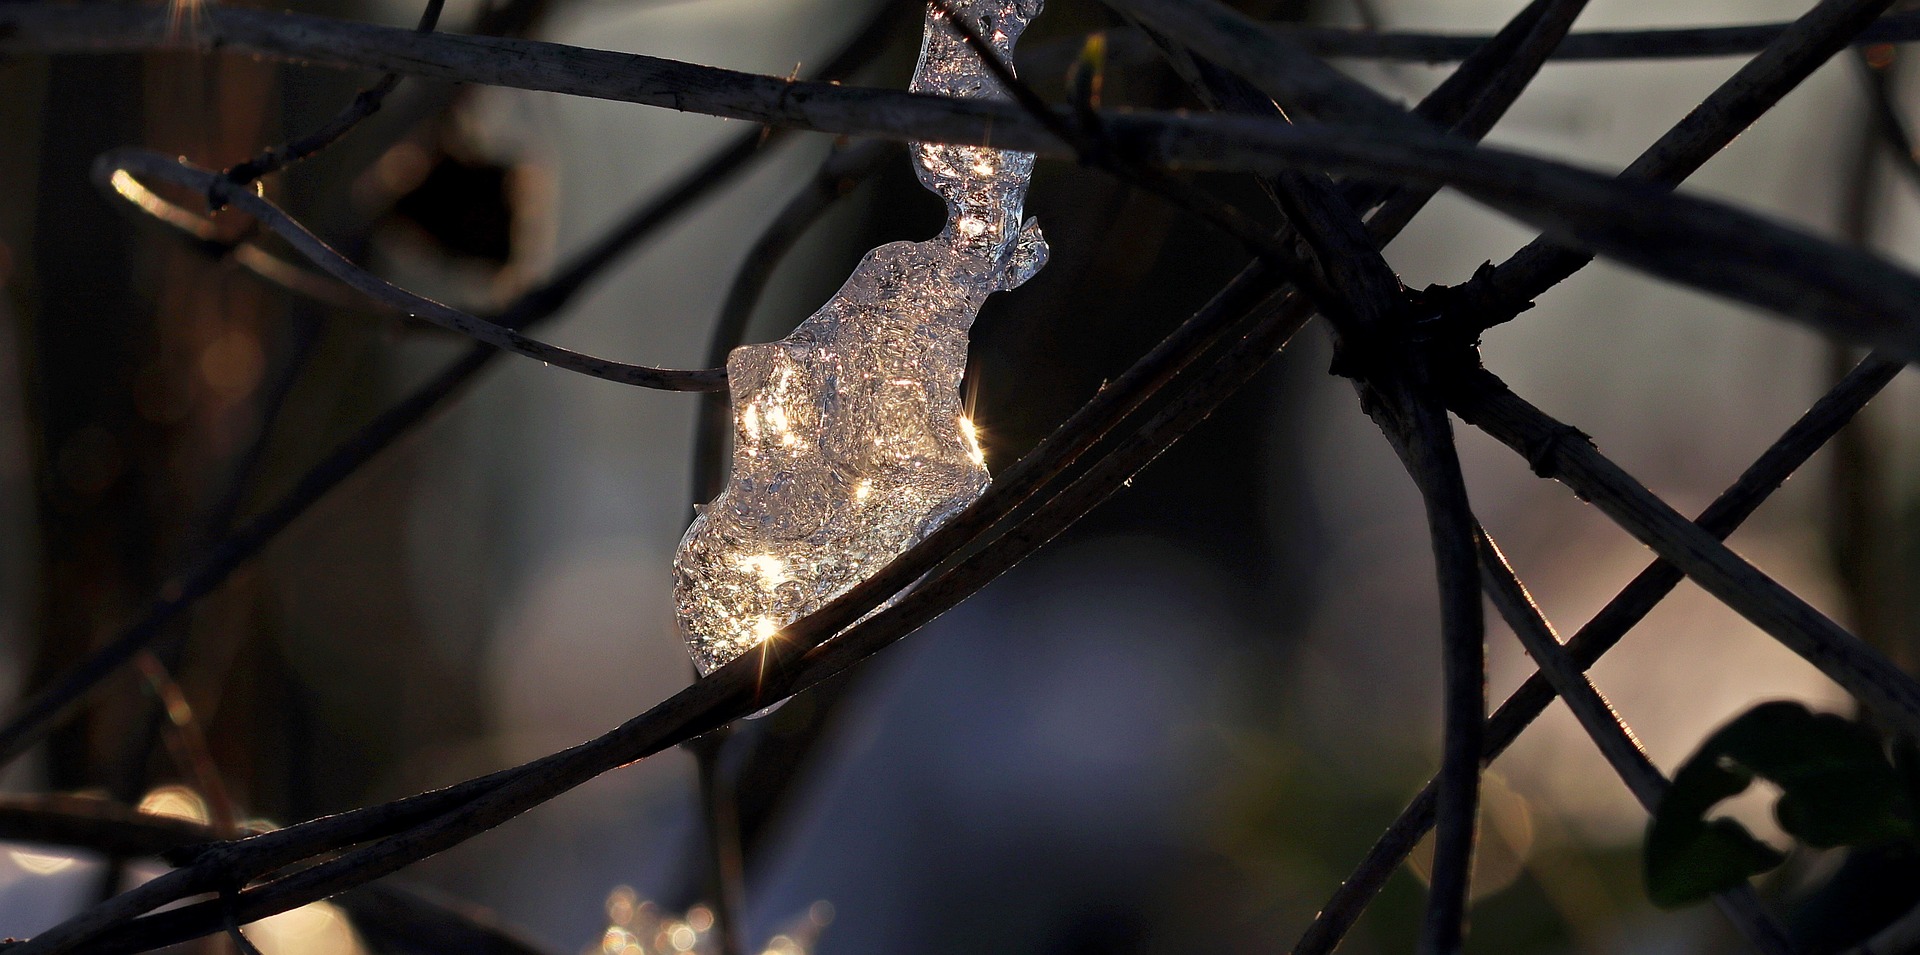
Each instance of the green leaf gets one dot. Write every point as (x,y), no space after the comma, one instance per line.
(1838,787)
(1688,860)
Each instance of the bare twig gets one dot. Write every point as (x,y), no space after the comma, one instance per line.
(1557,451)
(240,939)
(120,171)
(514,792)
(1836,290)
(1789,59)
(727,869)
(1474,97)
(845,167)
(1604,631)
(97,825)
(1294,77)
(33,718)
(1607,730)
(1653,43)
(450,815)
(1428,452)
(520,788)
(38,714)
(364,104)
(1641,44)
(379,911)
(1369,315)
(50,33)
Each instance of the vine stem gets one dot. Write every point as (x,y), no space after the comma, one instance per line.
(119,173)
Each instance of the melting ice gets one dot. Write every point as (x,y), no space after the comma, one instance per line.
(850,440)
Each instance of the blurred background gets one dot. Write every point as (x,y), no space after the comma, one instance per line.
(1175,729)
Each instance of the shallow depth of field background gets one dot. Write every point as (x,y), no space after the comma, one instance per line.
(1175,729)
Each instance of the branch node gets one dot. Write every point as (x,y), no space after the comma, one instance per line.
(1543,453)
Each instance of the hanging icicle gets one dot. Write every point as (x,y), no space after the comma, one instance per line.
(850,440)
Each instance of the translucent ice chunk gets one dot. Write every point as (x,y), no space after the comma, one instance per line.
(850,441)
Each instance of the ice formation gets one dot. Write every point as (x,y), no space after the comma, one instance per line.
(850,440)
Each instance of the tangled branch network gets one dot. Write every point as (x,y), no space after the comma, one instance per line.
(838,536)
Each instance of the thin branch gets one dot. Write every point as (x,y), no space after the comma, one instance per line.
(1427,449)
(1608,731)
(97,825)
(1655,43)
(1602,633)
(1557,451)
(512,791)
(118,172)
(480,810)
(1365,302)
(1293,77)
(240,939)
(379,911)
(1652,43)
(1763,81)
(34,718)
(364,104)
(1733,106)
(719,803)
(1702,244)
(188,742)
(204,235)
(729,693)
(1474,97)
(1729,252)
(447,816)
(47,33)
(1369,317)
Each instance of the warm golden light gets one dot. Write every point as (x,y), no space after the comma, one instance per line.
(175,802)
(133,191)
(316,929)
(619,941)
(972,436)
(638,927)
(39,863)
(771,570)
(183,17)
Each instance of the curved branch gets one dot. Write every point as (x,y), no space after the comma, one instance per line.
(1728,252)
(34,718)
(119,171)
(379,911)
(799,656)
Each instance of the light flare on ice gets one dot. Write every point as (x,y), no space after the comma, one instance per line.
(850,439)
